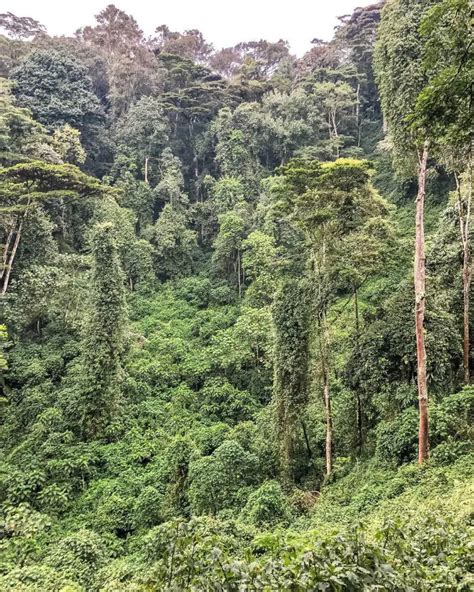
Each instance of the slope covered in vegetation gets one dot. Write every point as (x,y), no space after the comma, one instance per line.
(211,375)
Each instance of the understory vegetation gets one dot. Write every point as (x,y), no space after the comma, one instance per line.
(219,368)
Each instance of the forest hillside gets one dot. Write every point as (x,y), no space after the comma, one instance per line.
(235,319)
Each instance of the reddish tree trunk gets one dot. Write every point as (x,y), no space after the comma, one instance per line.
(466,278)
(327,408)
(420,299)
(323,348)
(360,438)
(464,227)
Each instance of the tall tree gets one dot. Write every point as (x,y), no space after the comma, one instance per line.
(444,114)
(227,256)
(291,319)
(131,65)
(104,332)
(25,187)
(335,205)
(356,36)
(14,31)
(141,135)
(190,44)
(57,90)
(398,58)
(21,137)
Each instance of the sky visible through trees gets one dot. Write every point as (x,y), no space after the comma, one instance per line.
(235,299)
(223,25)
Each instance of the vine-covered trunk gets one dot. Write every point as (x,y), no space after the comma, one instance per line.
(420,302)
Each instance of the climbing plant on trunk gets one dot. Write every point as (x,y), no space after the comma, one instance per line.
(335,205)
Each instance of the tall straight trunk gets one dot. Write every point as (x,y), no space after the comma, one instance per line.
(9,257)
(464,214)
(360,439)
(420,301)
(359,123)
(466,279)
(328,413)
(239,283)
(323,347)
(146,170)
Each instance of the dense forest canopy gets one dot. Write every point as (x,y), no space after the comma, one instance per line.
(235,323)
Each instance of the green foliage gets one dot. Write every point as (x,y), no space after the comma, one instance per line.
(78,556)
(20,134)
(291,318)
(400,76)
(266,506)
(104,333)
(443,106)
(142,133)
(174,244)
(168,321)
(67,143)
(451,422)
(220,401)
(58,91)
(3,343)
(221,481)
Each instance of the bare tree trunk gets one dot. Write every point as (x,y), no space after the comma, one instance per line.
(146,170)
(239,274)
(323,347)
(358,399)
(7,249)
(358,114)
(328,413)
(335,131)
(466,278)
(420,302)
(334,123)
(464,214)
(6,278)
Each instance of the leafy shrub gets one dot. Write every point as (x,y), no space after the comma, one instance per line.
(450,420)
(78,556)
(449,451)
(453,417)
(397,439)
(37,578)
(195,290)
(221,480)
(220,401)
(266,506)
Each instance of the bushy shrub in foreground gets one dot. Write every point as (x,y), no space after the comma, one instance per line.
(431,553)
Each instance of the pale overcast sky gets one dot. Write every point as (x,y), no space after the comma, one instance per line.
(222,23)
